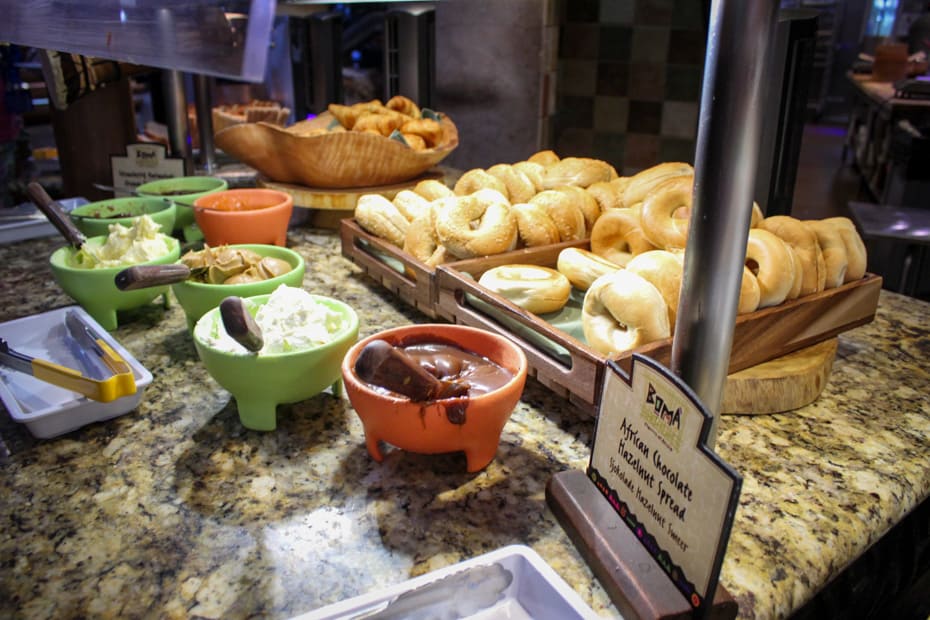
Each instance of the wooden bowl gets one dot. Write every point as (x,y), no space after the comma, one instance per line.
(338,159)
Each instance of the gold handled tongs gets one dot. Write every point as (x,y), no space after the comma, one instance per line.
(119,383)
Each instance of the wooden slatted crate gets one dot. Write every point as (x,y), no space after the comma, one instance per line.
(397,271)
(569,367)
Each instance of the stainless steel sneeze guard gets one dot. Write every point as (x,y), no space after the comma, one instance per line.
(224,39)
(724,177)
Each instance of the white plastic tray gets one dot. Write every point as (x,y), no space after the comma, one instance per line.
(535,591)
(25,221)
(48,410)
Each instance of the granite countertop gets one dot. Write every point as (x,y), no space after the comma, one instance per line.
(174,510)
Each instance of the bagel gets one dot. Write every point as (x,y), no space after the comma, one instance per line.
(643,183)
(658,221)
(622,311)
(536,289)
(855,248)
(757,216)
(533,171)
(422,243)
(476,179)
(617,236)
(544,158)
(663,270)
(836,261)
(479,224)
(586,202)
(798,270)
(534,225)
(380,217)
(608,194)
(803,241)
(410,204)
(749,293)
(582,267)
(519,186)
(578,171)
(565,213)
(431,189)
(768,258)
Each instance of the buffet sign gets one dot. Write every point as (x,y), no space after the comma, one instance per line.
(143,163)
(651,462)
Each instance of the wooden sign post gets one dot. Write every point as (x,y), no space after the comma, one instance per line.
(652,515)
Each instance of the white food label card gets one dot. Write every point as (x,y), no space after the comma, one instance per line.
(143,163)
(651,462)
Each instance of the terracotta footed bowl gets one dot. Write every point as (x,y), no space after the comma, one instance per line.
(439,426)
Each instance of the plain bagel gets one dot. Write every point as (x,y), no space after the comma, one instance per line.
(534,288)
(582,267)
(617,236)
(565,213)
(663,269)
(767,256)
(622,311)
(476,179)
(855,248)
(835,258)
(644,183)
(803,240)
(658,220)
(479,224)
(380,217)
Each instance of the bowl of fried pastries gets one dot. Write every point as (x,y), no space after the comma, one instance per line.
(361,145)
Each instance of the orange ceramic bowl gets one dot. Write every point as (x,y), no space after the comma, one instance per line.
(427,428)
(250,215)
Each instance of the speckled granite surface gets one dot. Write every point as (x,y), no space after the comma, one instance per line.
(174,510)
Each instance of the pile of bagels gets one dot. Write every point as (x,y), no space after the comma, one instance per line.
(543,200)
(637,227)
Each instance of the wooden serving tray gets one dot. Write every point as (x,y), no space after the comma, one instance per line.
(569,367)
(399,272)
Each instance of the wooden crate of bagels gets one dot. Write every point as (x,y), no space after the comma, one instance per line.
(623,269)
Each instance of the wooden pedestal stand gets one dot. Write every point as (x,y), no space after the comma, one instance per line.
(635,583)
(328,206)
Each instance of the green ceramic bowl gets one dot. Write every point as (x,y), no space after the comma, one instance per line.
(184,191)
(94,219)
(96,290)
(259,383)
(196,298)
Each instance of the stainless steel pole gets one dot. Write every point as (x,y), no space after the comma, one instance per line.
(739,37)
(176,113)
(203,104)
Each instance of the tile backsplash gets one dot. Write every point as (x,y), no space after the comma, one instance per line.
(628,81)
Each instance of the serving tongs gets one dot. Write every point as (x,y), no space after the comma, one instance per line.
(119,383)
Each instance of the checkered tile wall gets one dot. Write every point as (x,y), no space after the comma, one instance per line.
(627,81)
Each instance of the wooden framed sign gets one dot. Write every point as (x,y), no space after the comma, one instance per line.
(651,463)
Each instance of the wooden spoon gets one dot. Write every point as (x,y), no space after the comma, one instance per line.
(387,366)
(56,214)
(240,324)
(145,276)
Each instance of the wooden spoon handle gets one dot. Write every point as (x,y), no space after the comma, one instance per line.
(145,276)
(240,325)
(56,214)
(384,365)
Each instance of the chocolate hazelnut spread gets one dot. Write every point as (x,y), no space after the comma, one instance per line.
(450,363)
(427,372)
